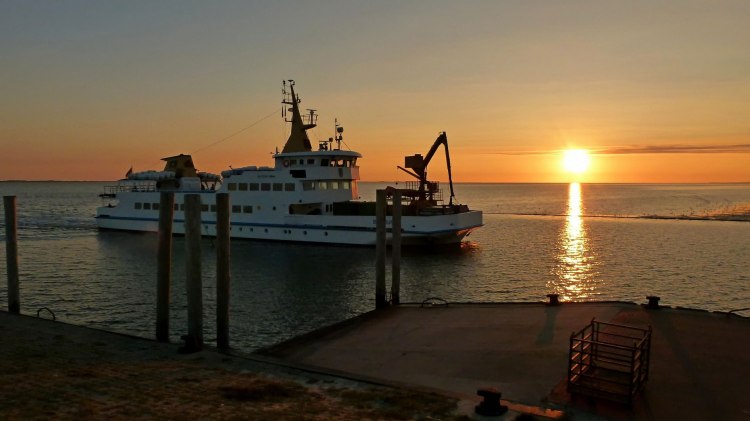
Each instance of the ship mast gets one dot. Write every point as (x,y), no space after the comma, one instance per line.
(298,140)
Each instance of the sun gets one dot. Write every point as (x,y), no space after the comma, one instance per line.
(576,160)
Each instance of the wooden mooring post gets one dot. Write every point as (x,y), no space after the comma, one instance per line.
(396,249)
(11,253)
(223,272)
(193,281)
(164,266)
(380,249)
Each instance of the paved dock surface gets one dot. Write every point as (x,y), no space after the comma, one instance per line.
(700,361)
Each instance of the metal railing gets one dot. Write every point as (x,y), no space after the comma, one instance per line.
(111,191)
(432,189)
(609,361)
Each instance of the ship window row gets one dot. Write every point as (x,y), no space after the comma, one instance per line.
(326,185)
(148,206)
(260,186)
(295,162)
(204,207)
(324,162)
(243,208)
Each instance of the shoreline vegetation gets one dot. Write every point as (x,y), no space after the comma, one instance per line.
(736,214)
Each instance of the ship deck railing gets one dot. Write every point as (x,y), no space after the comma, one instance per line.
(432,191)
(112,191)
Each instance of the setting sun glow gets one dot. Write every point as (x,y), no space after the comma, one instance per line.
(663,111)
(576,161)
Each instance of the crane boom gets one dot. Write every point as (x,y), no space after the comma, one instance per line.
(419,164)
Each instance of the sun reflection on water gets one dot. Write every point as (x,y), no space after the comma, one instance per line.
(574,269)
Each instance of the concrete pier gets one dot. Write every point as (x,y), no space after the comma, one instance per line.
(700,366)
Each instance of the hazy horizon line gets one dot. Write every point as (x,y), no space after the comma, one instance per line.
(639,149)
(441,181)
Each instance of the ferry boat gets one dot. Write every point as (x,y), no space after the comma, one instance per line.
(306,196)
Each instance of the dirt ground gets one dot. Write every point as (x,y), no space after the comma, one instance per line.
(51,370)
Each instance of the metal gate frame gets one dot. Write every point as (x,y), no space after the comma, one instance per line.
(609,361)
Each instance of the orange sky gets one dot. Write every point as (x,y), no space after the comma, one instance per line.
(658,92)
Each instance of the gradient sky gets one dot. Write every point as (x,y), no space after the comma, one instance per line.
(658,90)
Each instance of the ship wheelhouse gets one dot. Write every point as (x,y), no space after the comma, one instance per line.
(301,183)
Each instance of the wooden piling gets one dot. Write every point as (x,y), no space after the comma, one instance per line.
(11,253)
(380,249)
(164,266)
(223,273)
(396,249)
(193,281)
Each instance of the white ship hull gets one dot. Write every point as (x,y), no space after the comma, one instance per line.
(330,229)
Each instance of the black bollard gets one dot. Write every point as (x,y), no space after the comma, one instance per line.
(653,302)
(490,405)
(554,299)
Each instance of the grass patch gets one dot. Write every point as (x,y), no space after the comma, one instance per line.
(399,404)
(261,389)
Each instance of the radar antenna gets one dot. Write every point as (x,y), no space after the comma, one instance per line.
(339,135)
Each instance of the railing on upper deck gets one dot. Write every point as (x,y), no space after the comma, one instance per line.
(411,190)
(111,191)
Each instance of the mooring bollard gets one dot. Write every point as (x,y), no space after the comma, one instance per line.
(193,282)
(396,249)
(164,266)
(653,302)
(554,299)
(11,254)
(490,405)
(380,248)
(223,273)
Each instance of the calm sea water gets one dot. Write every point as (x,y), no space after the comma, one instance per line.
(586,242)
